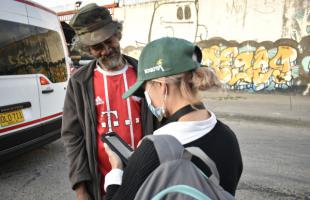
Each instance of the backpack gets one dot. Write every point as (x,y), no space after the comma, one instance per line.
(177,178)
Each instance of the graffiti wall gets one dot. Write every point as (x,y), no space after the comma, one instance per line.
(256,66)
(251,45)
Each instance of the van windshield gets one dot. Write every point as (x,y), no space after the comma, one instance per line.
(26,49)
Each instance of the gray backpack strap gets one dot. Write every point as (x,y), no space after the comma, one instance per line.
(196,151)
(168,147)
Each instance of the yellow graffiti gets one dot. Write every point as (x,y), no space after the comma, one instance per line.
(282,64)
(251,67)
(242,69)
(261,69)
(228,55)
(211,58)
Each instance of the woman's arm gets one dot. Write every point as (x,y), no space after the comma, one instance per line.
(142,162)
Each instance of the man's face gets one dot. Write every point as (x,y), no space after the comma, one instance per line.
(108,52)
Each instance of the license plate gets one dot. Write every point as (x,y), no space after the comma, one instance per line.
(13,117)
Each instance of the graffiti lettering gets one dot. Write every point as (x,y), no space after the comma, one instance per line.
(255,67)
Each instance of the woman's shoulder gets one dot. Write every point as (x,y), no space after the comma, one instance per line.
(223,129)
(221,134)
(226,136)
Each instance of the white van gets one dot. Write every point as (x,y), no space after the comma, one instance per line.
(33,76)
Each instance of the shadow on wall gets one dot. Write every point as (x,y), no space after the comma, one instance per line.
(172,18)
(282,65)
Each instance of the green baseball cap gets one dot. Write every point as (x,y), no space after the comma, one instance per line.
(165,57)
(93,24)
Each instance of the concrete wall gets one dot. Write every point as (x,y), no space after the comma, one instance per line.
(252,45)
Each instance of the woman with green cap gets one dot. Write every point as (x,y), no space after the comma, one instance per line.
(170,73)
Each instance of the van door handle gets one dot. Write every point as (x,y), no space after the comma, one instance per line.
(47,91)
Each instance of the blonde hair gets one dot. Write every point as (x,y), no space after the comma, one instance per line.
(191,82)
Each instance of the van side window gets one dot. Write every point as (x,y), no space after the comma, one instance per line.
(27,49)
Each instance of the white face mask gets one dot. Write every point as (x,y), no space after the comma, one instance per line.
(158,112)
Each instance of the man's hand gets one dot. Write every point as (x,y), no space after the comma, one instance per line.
(115,161)
(81,192)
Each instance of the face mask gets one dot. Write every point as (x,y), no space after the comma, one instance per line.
(158,112)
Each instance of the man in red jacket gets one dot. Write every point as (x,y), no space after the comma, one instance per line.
(94,104)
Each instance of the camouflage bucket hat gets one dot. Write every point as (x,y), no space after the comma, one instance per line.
(93,24)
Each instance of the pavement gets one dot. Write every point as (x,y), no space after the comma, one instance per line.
(279,108)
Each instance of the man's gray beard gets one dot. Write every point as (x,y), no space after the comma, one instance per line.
(111,62)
